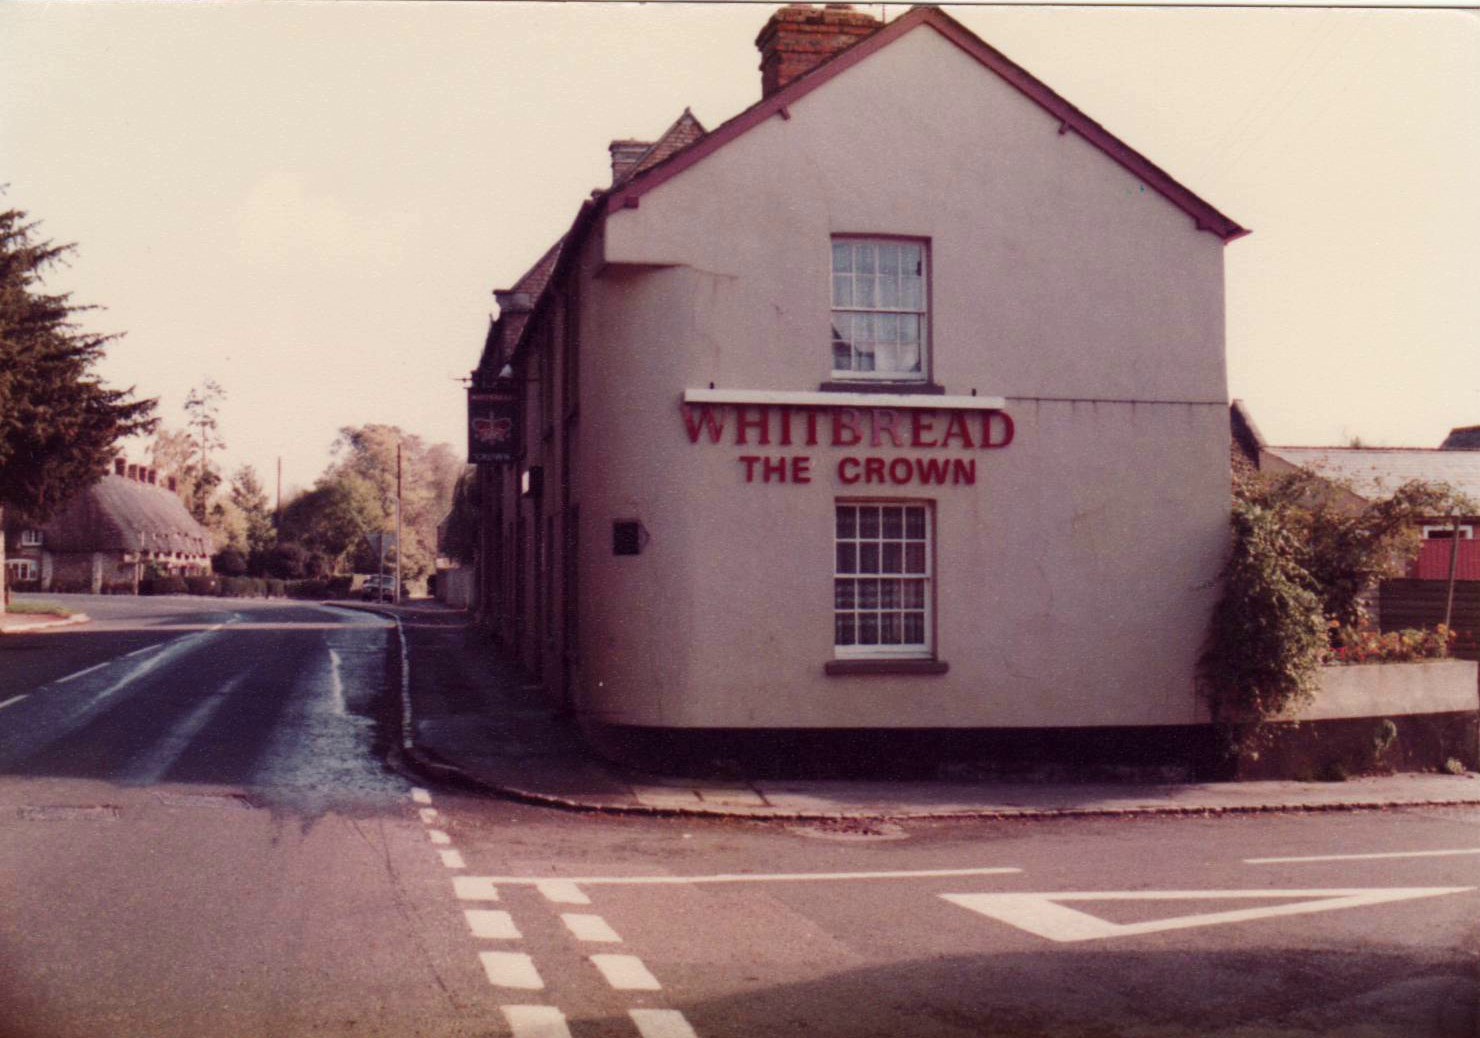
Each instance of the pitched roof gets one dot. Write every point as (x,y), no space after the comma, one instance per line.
(685,131)
(121,514)
(1377,471)
(1206,218)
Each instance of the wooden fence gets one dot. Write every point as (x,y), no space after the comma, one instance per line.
(1420,603)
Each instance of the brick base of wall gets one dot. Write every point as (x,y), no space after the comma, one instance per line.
(1148,754)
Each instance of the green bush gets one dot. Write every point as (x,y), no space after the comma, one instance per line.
(166,585)
(1268,632)
(242,587)
(203,585)
(276,588)
(311,588)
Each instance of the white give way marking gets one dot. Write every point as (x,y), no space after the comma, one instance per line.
(1044,915)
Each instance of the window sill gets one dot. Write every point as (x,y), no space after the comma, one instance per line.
(871,386)
(848,668)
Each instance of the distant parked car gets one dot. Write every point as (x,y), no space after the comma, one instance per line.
(379,588)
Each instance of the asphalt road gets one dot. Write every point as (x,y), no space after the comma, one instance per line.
(198,837)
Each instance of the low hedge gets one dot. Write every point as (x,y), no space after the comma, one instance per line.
(163,586)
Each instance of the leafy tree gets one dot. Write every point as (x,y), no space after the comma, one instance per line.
(202,410)
(249,497)
(333,519)
(58,422)
(461,539)
(429,474)
(173,454)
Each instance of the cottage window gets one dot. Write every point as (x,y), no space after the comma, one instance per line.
(30,538)
(881,580)
(879,309)
(22,569)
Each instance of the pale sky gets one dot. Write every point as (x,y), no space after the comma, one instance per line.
(311,203)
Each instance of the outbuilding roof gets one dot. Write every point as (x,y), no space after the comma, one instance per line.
(121,514)
(1374,472)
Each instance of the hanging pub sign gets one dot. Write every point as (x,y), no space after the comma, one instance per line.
(493,426)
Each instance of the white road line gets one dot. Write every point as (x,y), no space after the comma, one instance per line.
(1365,857)
(1045,916)
(453,859)
(438,836)
(590,928)
(498,926)
(140,652)
(562,891)
(536,1021)
(661,1023)
(336,683)
(566,888)
(511,970)
(420,795)
(428,815)
(13,700)
(626,973)
(152,766)
(474,888)
(82,673)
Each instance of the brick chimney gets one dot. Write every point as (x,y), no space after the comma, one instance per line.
(799,37)
(133,472)
(625,156)
(120,466)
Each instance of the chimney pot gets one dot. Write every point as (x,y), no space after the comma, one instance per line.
(153,477)
(120,467)
(133,472)
(173,486)
(799,37)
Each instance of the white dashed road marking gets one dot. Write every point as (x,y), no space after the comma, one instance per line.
(554,888)
(438,836)
(474,888)
(420,795)
(82,673)
(590,928)
(453,859)
(536,1021)
(497,926)
(13,700)
(1364,857)
(661,1023)
(511,970)
(428,815)
(626,973)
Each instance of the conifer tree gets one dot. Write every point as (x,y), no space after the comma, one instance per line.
(58,421)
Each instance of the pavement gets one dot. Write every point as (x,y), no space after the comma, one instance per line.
(22,623)
(471,716)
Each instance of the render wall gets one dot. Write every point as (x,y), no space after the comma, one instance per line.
(1074,576)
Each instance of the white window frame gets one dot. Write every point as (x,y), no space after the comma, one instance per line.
(924,649)
(1444,531)
(22,569)
(31,538)
(843,305)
